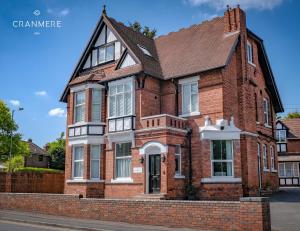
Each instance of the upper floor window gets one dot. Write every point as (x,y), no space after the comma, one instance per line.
(266,107)
(177,160)
(120,99)
(79,107)
(78,161)
(281,147)
(96,105)
(249,52)
(222,158)
(281,135)
(190,101)
(123,160)
(107,48)
(265,157)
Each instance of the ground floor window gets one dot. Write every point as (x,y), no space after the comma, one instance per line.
(178,160)
(95,161)
(289,169)
(78,153)
(265,158)
(123,160)
(272,158)
(222,158)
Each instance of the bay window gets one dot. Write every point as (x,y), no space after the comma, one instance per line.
(96,105)
(222,158)
(78,158)
(178,160)
(95,161)
(79,107)
(123,160)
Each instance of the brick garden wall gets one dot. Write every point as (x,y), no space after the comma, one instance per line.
(246,214)
(32,182)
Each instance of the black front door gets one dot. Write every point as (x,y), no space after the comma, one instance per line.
(154,174)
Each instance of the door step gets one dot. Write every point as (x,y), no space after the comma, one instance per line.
(154,196)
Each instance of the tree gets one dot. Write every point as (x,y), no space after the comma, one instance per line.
(293,115)
(136,26)
(8,127)
(57,151)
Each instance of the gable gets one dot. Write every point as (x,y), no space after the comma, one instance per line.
(127,61)
(106,48)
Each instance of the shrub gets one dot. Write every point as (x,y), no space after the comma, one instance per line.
(37,170)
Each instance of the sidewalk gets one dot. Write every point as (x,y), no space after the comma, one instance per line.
(76,224)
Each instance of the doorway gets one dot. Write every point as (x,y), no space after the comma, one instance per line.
(154,173)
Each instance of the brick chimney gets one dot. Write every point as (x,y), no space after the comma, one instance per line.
(234,19)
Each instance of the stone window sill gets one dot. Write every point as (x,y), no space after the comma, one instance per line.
(267,126)
(266,170)
(179,177)
(190,114)
(84,181)
(122,180)
(221,180)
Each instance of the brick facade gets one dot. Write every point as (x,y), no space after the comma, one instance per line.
(234,91)
(246,214)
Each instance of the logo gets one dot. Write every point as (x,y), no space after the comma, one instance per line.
(36,12)
(37,25)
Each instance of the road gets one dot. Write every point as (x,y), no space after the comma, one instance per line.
(24,221)
(285,210)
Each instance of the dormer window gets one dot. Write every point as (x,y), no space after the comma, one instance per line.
(144,50)
(107,48)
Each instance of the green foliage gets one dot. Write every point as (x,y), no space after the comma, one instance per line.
(136,26)
(8,127)
(293,115)
(14,163)
(56,149)
(37,170)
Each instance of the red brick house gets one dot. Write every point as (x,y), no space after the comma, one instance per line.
(288,148)
(190,112)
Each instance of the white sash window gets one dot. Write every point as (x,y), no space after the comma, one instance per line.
(79,107)
(95,161)
(123,160)
(222,158)
(96,105)
(78,158)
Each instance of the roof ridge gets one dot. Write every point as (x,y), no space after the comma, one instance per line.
(189,27)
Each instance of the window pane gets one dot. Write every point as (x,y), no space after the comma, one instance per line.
(78,169)
(127,103)
(96,96)
(288,169)
(110,50)
(194,102)
(186,99)
(94,57)
(95,152)
(112,90)
(217,150)
(101,55)
(217,169)
(96,105)
(228,150)
(120,105)
(120,88)
(194,89)
(123,149)
(127,86)
(95,169)
(80,97)
(112,106)
(281,169)
(123,167)
(177,164)
(79,113)
(78,153)
(283,147)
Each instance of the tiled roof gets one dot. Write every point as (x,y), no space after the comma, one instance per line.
(35,149)
(195,49)
(294,126)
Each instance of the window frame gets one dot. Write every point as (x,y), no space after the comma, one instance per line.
(272,159)
(265,158)
(116,84)
(212,161)
(99,160)
(122,157)
(76,106)
(266,110)
(279,131)
(81,160)
(93,103)
(179,155)
(250,57)
(189,112)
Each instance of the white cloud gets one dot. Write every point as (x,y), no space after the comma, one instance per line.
(245,4)
(57,12)
(40,93)
(15,102)
(59,112)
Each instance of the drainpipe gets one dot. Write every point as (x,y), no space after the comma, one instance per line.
(176,96)
(189,137)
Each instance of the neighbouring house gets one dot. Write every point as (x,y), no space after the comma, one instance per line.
(288,148)
(38,157)
(190,113)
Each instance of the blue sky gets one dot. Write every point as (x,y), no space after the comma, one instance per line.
(36,67)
